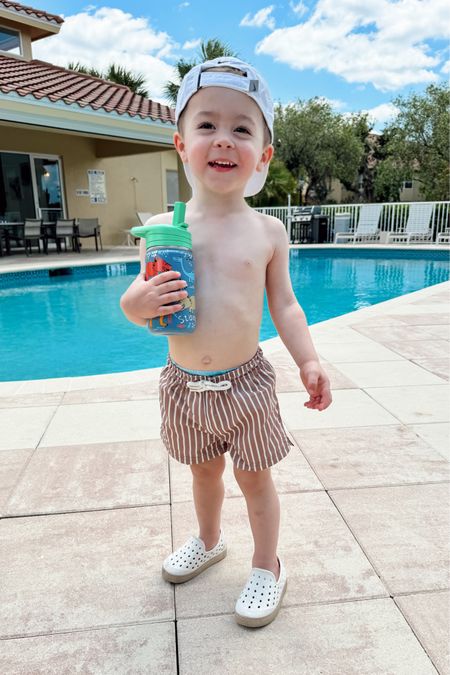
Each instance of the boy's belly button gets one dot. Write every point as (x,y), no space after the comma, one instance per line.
(206,359)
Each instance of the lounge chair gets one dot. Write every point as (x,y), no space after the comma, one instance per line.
(87,227)
(143,217)
(417,225)
(367,228)
(443,237)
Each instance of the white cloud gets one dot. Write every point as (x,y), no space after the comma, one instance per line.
(335,103)
(192,44)
(378,41)
(446,68)
(261,18)
(382,113)
(300,8)
(106,35)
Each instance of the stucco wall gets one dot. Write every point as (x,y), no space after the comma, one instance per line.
(124,196)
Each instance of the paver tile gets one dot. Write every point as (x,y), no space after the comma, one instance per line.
(437,435)
(350,408)
(104,423)
(415,403)
(429,616)
(140,650)
(440,366)
(404,531)
(387,373)
(418,349)
(83,570)
(393,333)
(122,392)
(370,456)
(11,464)
(355,638)
(23,427)
(97,476)
(348,352)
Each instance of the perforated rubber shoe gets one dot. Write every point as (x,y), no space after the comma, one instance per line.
(261,598)
(192,559)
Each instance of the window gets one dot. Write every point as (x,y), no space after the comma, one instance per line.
(172,188)
(10,41)
(407,184)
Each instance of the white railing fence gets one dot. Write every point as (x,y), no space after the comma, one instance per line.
(394,215)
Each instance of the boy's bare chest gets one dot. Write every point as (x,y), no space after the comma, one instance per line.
(232,259)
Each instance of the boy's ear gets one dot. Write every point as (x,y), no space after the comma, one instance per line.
(265,157)
(179,146)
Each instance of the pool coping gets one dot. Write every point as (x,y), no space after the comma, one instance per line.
(269,346)
(123,254)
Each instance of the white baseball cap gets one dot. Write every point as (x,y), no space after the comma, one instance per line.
(250,83)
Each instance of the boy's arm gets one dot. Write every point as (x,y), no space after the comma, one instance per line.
(287,315)
(290,321)
(123,300)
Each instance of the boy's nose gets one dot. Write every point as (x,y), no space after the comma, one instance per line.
(223,142)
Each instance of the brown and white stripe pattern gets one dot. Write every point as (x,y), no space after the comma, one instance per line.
(244,420)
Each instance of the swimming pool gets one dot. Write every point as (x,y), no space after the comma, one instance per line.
(67,322)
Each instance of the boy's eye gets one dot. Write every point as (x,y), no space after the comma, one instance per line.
(243,129)
(205,125)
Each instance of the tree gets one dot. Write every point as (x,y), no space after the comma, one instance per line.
(417,143)
(317,144)
(279,184)
(211,49)
(116,74)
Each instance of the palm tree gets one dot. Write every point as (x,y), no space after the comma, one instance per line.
(211,49)
(117,74)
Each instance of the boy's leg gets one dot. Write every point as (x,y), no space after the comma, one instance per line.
(209,491)
(263,506)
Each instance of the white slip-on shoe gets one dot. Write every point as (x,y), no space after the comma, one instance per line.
(192,559)
(261,598)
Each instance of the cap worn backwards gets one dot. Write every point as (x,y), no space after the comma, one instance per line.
(249,82)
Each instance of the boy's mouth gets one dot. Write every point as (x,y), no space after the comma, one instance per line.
(222,165)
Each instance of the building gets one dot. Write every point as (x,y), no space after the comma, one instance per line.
(76,146)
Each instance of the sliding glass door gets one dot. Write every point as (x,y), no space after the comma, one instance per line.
(30,187)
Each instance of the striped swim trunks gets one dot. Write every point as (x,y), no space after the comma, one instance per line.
(203,417)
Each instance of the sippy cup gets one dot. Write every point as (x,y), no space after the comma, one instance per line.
(169,247)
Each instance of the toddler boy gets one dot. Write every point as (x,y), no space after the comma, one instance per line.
(217,391)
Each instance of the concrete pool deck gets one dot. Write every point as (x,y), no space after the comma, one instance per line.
(90,505)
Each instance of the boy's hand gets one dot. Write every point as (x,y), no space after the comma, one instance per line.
(316,384)
(147,299)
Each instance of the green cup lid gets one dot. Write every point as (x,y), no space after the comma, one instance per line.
(167,234)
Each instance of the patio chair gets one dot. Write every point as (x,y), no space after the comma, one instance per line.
(417,225)
(32,233)
(63,229)
(367,228)
(88,227)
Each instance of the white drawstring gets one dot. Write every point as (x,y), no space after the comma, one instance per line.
(205,385)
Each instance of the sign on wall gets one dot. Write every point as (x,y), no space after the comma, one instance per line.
(97,186)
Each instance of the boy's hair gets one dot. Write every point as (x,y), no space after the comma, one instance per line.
(235,71)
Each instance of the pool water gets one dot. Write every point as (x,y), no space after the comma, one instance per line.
(71,324)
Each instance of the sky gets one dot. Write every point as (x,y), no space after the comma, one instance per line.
(357,54)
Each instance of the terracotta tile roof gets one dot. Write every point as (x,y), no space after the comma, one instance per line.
(44,80)
(34,13)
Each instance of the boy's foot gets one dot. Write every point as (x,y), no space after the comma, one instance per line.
(261,598)
(191,559)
